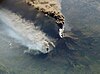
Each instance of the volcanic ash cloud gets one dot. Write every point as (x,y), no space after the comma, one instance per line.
(51,8)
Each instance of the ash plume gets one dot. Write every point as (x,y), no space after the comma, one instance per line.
(25,33)
(50,8)
(21,17)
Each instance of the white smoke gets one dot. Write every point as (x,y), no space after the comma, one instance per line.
(59,4)
(25,32)
(60,1)
(66,26)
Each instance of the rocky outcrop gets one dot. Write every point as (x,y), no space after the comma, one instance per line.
(49,8)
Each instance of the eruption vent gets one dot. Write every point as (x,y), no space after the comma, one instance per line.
(50,8)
